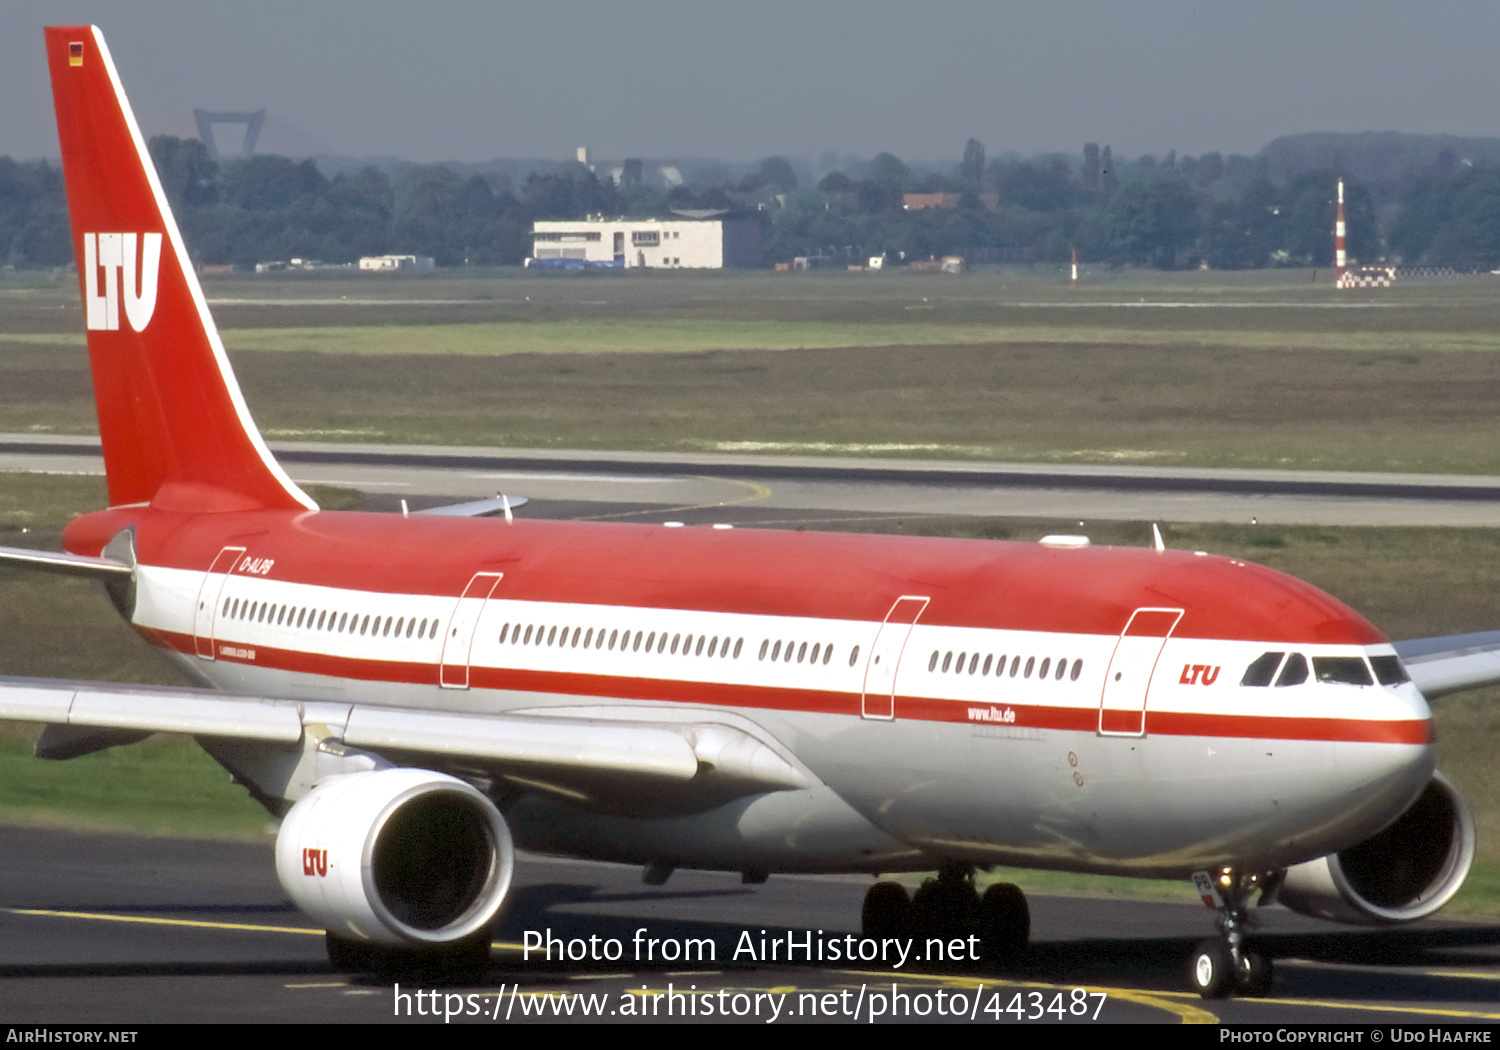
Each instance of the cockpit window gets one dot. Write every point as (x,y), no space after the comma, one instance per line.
(1342,670)
(1262,669)
(1388,670)
(1295,671)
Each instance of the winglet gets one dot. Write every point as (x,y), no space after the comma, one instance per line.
(173,423)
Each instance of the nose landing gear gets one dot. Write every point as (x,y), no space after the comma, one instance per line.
(1225,964)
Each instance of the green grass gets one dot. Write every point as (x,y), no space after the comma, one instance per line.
(161,786)
(1357,411)
(1272,371)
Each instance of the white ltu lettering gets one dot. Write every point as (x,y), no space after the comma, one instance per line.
(129,263)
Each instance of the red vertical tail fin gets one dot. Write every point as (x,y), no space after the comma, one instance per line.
(174,425)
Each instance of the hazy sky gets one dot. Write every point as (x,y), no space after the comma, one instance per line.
(471,80)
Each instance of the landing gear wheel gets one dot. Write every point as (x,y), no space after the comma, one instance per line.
(945,909)
(886,912)
(1252,977)
(1212,970)
(1004,923)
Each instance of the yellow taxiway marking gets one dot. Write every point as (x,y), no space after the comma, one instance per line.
(319,984)
(154,921)
(1388,1008)
(199,923)
(1187,1013)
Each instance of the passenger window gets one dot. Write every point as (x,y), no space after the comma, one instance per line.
(854,656)
(1046,666)
(932,663)
(1077,670)
(1030,662)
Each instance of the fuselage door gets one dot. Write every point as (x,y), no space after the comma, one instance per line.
(1122,705)
(879,700)
(459,639)
(209,594)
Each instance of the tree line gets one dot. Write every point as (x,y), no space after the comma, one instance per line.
(1168,212)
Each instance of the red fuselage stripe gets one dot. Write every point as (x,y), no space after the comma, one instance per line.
(813,701)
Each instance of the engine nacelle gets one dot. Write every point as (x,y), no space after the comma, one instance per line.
(1406,872)
(403,857)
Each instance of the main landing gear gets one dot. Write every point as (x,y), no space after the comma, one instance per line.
(949,908)
(1225,964)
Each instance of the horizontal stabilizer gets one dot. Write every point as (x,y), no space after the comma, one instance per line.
(479,508)
(64,564)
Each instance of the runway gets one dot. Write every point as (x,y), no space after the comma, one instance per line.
(116,929)
(778,489)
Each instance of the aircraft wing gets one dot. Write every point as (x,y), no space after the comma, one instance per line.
(1452,663)
(579,754)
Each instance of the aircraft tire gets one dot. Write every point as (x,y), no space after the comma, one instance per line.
(1004,922)
(886,912)
(945,909)
(1211,970)
(1252,978)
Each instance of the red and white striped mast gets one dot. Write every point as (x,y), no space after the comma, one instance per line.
(1339,258)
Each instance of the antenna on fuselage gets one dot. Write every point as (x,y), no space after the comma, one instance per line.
(510,518)
(1156,538)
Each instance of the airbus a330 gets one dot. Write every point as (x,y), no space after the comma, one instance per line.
(416,694)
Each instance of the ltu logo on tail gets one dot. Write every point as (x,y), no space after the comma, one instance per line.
(129,263)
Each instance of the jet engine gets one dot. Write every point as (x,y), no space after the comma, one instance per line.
(398,857)
(1406,872)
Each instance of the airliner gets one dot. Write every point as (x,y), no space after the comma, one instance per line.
(417,695)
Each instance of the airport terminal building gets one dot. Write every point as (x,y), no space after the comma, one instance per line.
(702,244)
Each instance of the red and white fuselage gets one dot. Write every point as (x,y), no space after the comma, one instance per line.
(998,702)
